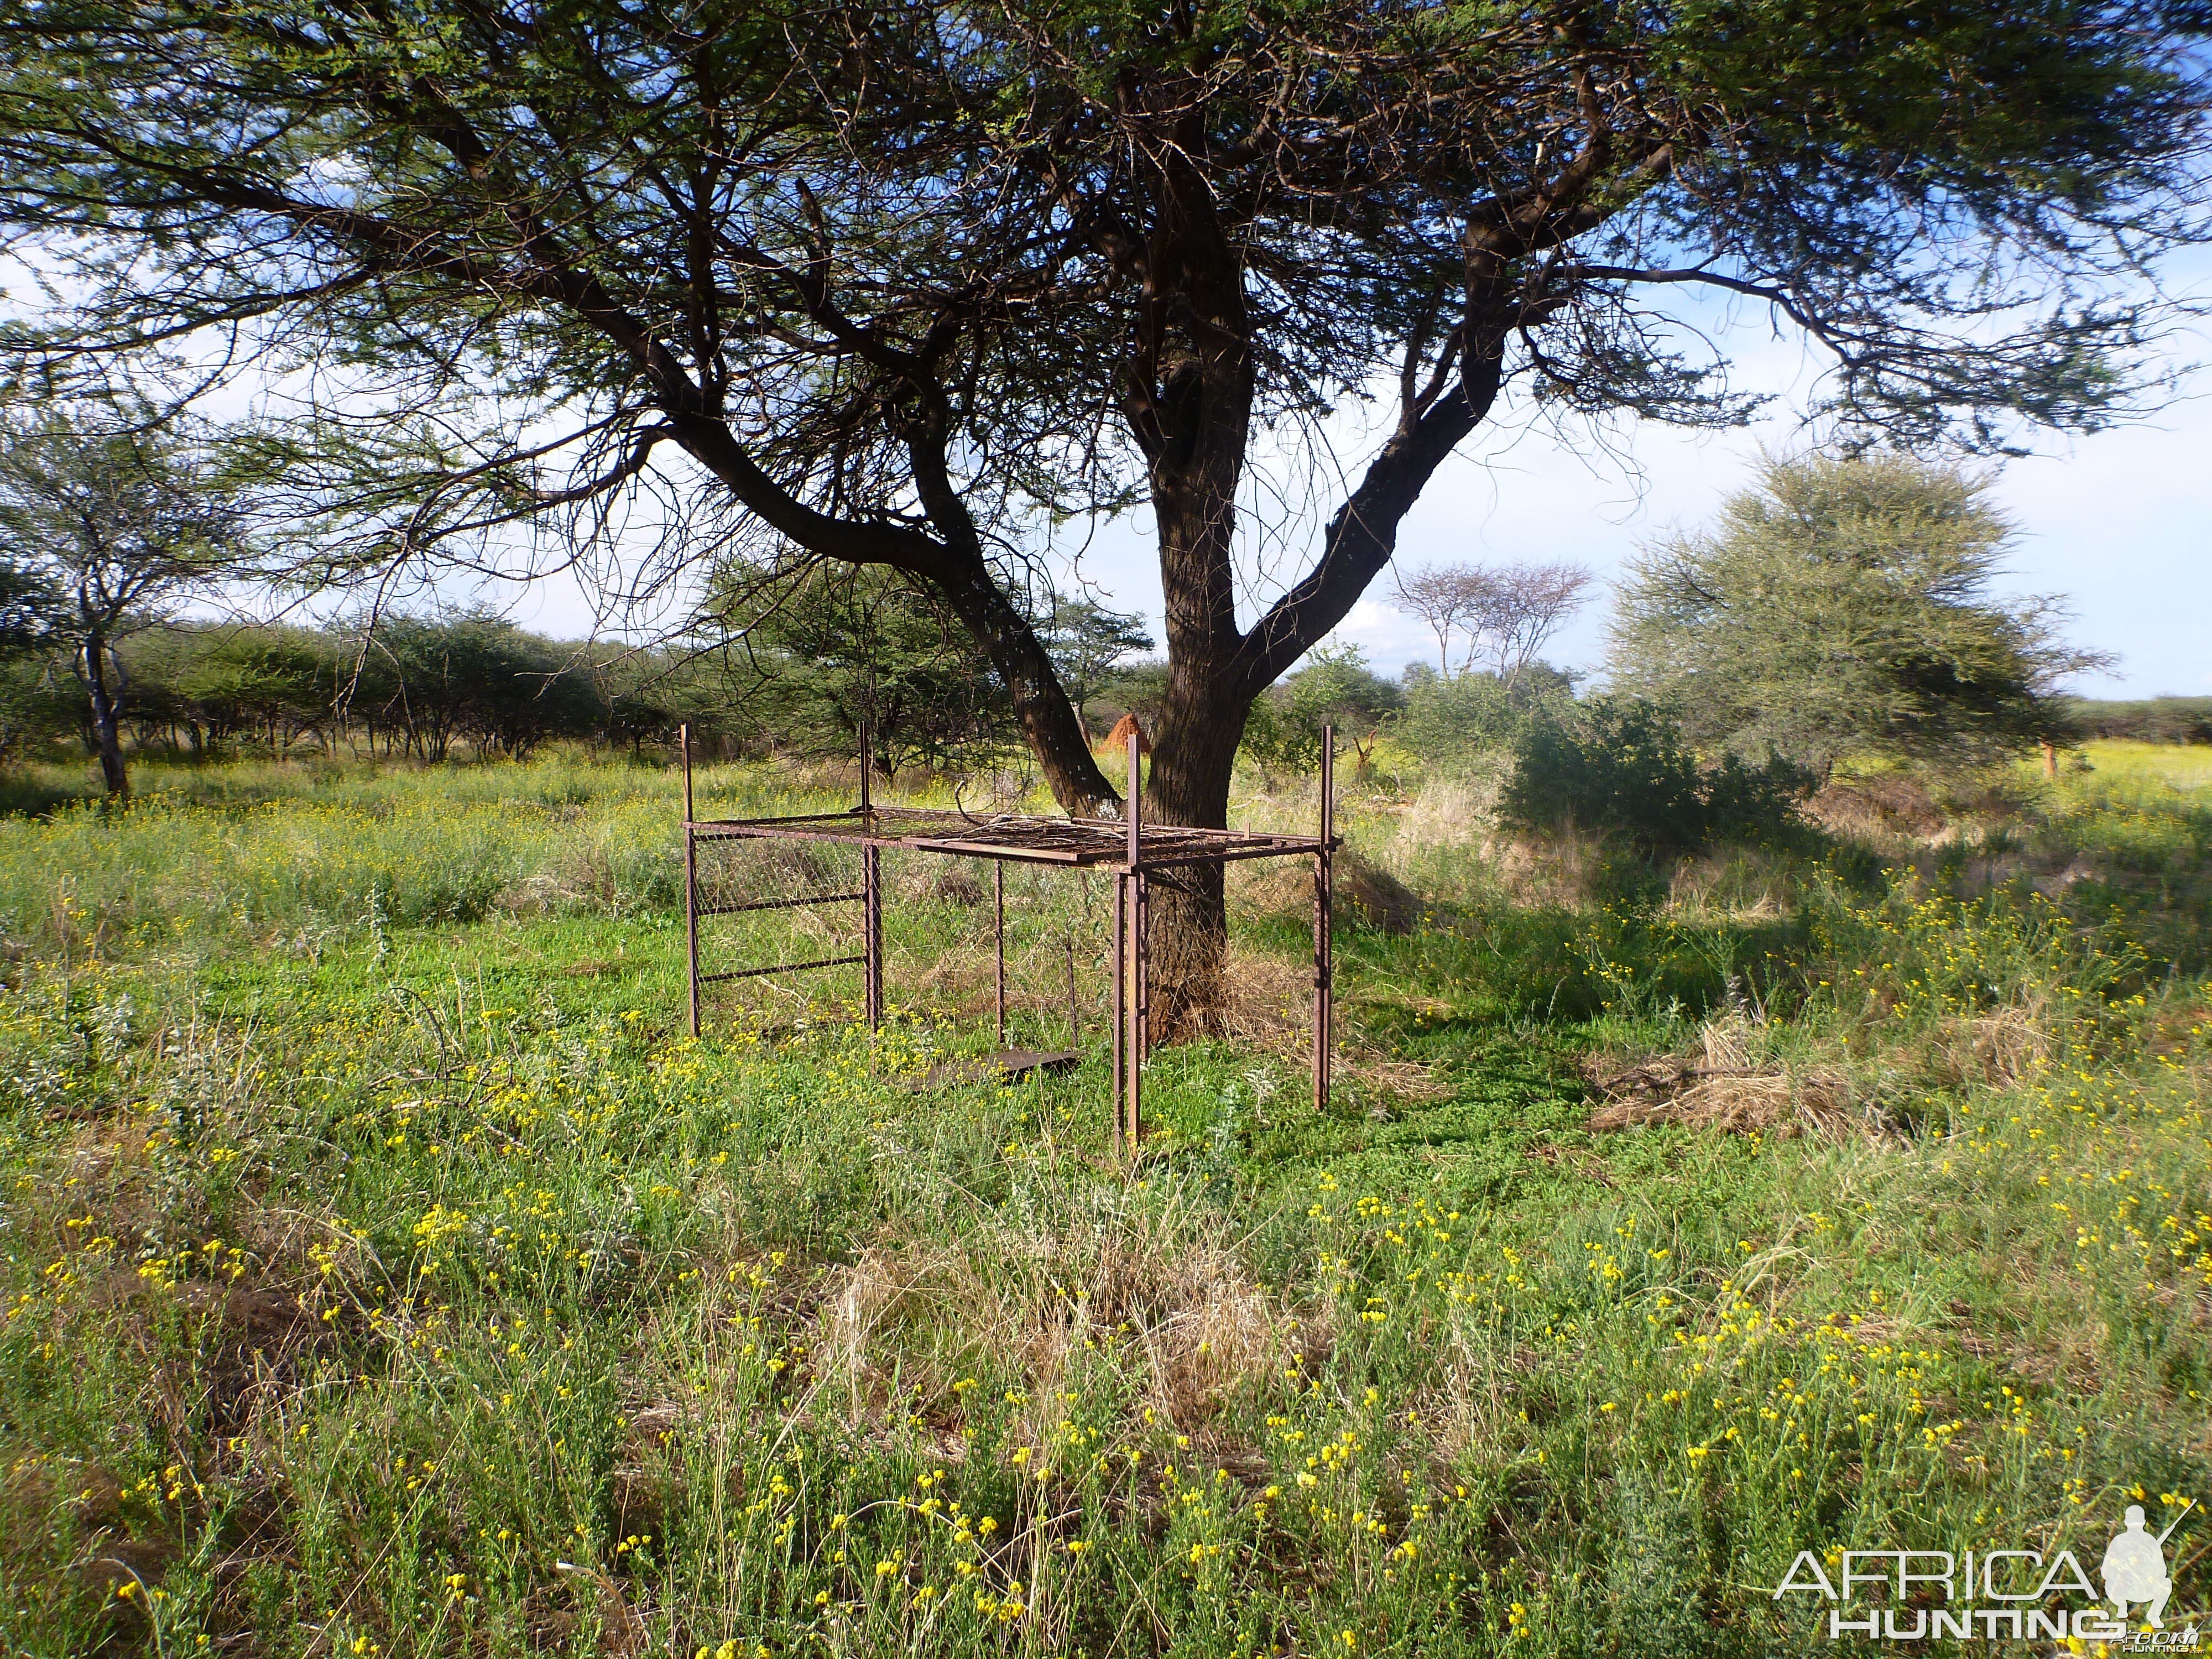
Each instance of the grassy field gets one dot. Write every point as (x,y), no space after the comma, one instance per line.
(387,1274)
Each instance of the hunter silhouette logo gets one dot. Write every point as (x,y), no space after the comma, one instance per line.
(1996,1593)
(2134,1568)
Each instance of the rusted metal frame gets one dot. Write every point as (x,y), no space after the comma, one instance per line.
(871,923)
(995,850)
(1169,846)
(1025,842)
(1120,999)
(690,883)
(872,904)
(1132,924)
(735,831)
(779,905)
(1152,860)
(738,831)
(780,968)
(1171,833)
(1284,850)
(1142,926)
(1323,941)
(787,818)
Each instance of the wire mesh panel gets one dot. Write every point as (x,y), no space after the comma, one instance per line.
(943,918)
(780,927)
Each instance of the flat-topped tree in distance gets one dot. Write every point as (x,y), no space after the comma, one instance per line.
(1504,615)
(898,285)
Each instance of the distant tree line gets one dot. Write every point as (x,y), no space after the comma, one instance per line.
(413,686)
(1842,609)
(800,677)
(2151,719)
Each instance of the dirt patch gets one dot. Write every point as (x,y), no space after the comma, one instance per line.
(1374,896)
(260,1340)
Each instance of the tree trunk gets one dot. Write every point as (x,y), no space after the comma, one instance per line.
(1193,756)
(107,735)
(1215,673)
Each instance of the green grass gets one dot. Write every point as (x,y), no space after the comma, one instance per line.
(387,1272)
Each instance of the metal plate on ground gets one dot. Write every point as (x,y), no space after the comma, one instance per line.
(1004,1066)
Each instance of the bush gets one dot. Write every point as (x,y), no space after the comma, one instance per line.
(39,706)
(1618,766)
(1336,689)
(1457,718)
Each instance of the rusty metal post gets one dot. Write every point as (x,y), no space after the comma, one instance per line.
(999,939)
(872,904)
(1134,910)
(691,881)
(1324,966)
(872,927)
(1074,1015)
(1120,1001)
(1141,929)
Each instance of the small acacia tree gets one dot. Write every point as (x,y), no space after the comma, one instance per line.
(1506,614)
(1336,689)
(1088,642)
(815,657)
(889,284)
(1845,606)
(120,517)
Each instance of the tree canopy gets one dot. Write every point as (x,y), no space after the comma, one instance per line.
(1846,606)
(888,278)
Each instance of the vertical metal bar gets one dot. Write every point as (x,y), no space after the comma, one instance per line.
(1324,965)
(998,939)
(690,882)
(1074,1015)
(872,927)
(1144,929)
(1133,908)
(1121,1000)
(871,902)
(1135,809)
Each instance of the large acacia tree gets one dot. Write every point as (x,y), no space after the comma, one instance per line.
(895,284)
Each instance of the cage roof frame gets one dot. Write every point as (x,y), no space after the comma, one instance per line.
(1016,837)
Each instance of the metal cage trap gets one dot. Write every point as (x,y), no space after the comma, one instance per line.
(838,860)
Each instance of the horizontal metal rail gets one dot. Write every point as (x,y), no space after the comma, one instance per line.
(787,818)
(780,968)
(1014,855)
(779,905)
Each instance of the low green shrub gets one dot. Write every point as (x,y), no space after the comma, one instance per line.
(1618,767)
